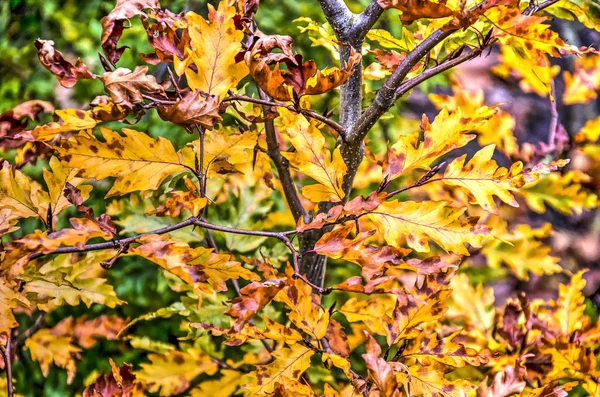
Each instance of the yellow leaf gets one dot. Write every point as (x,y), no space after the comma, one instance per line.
(214,44)
(290,362)
(307,313)
(445,351)
(522,250)
(420,223)
(225,386)
(498,130)
(18,193)
(138,161)
(56,179)
(590,131)
(471,305)
(564,193)
(47,348)
(371,312)
(194,266)
(447,132)
(66,280)
(171,373)
(71,120)
(313,159)
(570,305)
(9,299)
(7,221)
(426,381)
(582,84)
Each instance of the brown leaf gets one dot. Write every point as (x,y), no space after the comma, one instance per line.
(417,9)
(119,383)
(53,60)
(380,372)
(113,24)
(338,341)
(73,194)
(103,108)
(253,298)
(194,108)
(166,43)
(125,87)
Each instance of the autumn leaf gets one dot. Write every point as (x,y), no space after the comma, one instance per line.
(125,87)
(582,84)
(194,108)
(9,299)
(570,305)
(66,280)
(306,311)
(380,372)
(420,223)
(290,362)
(522,250)
(120,382)
(425,381)
(447,132)
(225,386)
(372,312)
(215,42)
(67,73)
(564,193)
(194,266)
(178,201)
(445,350)
(253,297)
(47,349)
(171,373)
(18,193)
(138,161)
(313,159)
(114,23)
(70,120)
(417,9)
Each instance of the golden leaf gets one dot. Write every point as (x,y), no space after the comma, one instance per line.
(290,362)
(171,373)
(420,223)
(47,348)
(447,132)
(70,120)
(9,299)
(214,44)
(313,159)
(138,161)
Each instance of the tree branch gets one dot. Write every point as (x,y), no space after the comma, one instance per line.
(365,20)
(8,364)
(283,167)
(338,15)
(282,236)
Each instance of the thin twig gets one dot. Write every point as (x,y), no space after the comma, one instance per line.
(8,364)
(188,222)
(309,113)
(39,321)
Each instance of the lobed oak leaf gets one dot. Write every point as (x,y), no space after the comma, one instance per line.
(125,87)
(225,386)
(447,132)
(67,73)
(253,297)
(522,250)
(473,306)
(581,85)
(164,38)
(138,161)
(570,306)
(70,120)
(214,44)
(193,108)
(587,12)
(337,339)
(590,132)
(446,351)
(564,193)
(426,381)
(66,280)
(498,130)
(47,348)
(289,362)
(370,258)
(14,121)
(300,78)
(194,266)
(103,108)
(8,222)
(505,383)
(380,371)
(417,9)
(420,223)
(10,299)
(179,201)
(306,311)
(113,24)
(120,382)
(18,193)
(372,312)
(273,330)
(86,332)
(171,373)
(313,159)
